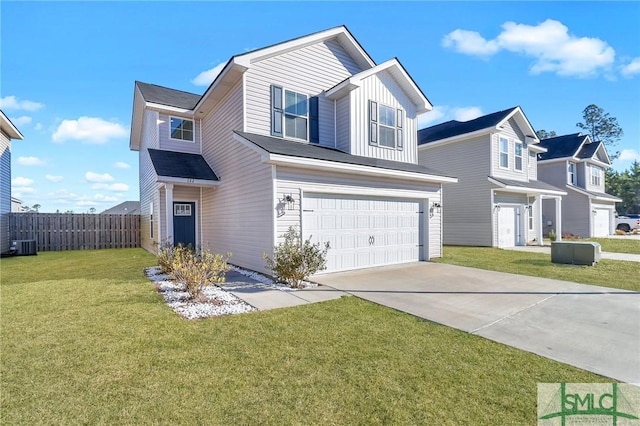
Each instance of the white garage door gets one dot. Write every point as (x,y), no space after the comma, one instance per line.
(601,222)
(363,231)
(508,235)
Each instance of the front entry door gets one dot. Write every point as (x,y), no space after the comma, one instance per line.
(184,224)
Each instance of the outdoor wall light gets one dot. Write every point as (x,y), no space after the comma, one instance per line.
(289,201)
(435,208)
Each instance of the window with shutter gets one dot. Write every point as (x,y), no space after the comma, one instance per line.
(276,111)
(386,126)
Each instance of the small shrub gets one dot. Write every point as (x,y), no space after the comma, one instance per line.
(165,254)
(552,235)
(294,260)
(196,271)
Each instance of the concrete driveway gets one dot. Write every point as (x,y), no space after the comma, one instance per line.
(590,327)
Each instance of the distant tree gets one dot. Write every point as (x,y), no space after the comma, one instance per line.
(25,208)
(92,210)
(36,207)
(626,186)
(69,212)
(543,134)
(602,127)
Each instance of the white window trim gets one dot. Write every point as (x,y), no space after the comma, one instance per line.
(182,118)
(500,152)
(572,176)
(398,128)
(597,175)
(516,156)
(284,114)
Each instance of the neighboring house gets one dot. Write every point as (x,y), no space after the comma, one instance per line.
(498,199)
(16,205)
(126,207)
(7,132)
(576,164)
(308,133)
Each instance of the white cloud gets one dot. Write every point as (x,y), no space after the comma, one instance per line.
(115,187)
(629,155)
(21,121)
(30,161)
(53,178)
(122,165)
(548,43)
(89,129)
(13,103)
(19,192)
(427,118)
(21,181)
(205,78)
(97,177)
(632,68)
(107,198)
(466,113)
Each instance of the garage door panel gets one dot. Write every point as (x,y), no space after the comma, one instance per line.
(363,232)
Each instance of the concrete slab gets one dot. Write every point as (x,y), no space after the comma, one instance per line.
(594,328)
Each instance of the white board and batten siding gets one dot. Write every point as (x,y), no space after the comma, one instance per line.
(466,205)
(309,70)
(382,88)
(374,200)
(237,215)
(147,177)
(5,191)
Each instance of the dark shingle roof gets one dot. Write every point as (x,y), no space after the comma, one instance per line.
(316,152)
(126,207)
(594,194)
(455,128)
(181,165)
(165,96)
(561,146)
(589,149)
(533,184)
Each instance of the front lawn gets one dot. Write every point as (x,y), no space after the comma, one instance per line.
(87,339)
(618,245)
(606,273)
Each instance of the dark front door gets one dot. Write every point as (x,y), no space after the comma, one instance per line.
(184,224)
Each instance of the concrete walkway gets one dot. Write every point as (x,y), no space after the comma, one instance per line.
(590,327)
(605,254)
(263,296)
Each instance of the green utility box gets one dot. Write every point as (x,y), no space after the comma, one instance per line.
(575,252)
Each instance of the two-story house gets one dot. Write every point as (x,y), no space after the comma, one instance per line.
(576,164)
(309,133)
(498,200)
(8,131)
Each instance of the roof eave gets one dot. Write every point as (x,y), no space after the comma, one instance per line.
(526,190)
(187,181)
(9,128)
(137,117)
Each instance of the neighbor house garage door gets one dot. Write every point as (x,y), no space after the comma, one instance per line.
(601,220)
(363,231)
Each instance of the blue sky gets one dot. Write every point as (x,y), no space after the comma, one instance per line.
(68,70)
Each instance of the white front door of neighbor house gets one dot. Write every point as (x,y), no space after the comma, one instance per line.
(601,220)
(508,227)
(363,231)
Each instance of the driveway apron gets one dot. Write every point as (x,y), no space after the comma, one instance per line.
(590,327)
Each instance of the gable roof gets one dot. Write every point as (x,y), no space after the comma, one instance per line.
(126,207)
(486,123)
(166,96)
(181,165)
(317,152)
(9,128)
(574,145)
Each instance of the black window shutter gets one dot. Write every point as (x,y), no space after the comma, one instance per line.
(314,130)
(373,123)
(276,111)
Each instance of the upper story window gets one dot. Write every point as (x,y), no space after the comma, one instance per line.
(504,153)
(572,174)
(182,129)
(294,115)
(518,155)
(596,176)
(385,126)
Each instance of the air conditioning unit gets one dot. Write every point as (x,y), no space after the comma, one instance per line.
(24,247)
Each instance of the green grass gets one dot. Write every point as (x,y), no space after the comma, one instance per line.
(618,245)
(607,273)
(87,339)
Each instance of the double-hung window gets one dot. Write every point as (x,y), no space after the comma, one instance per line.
(504,153)
(596,176)
(386,126)
(294,115)
(182,129)
(572,173)
(518,156)
(530,215)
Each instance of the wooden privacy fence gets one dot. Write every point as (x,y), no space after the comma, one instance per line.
(65,231)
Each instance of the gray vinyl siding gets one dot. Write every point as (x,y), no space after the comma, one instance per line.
(168,144)
(5,191)
(147,179)
(589,186)
(383,89)
(237,215)
(466,205)
(295,181)
(513,133)
(532,165)
(583,175)
(576,213)
(343,124)
(309,70)
(554,173)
